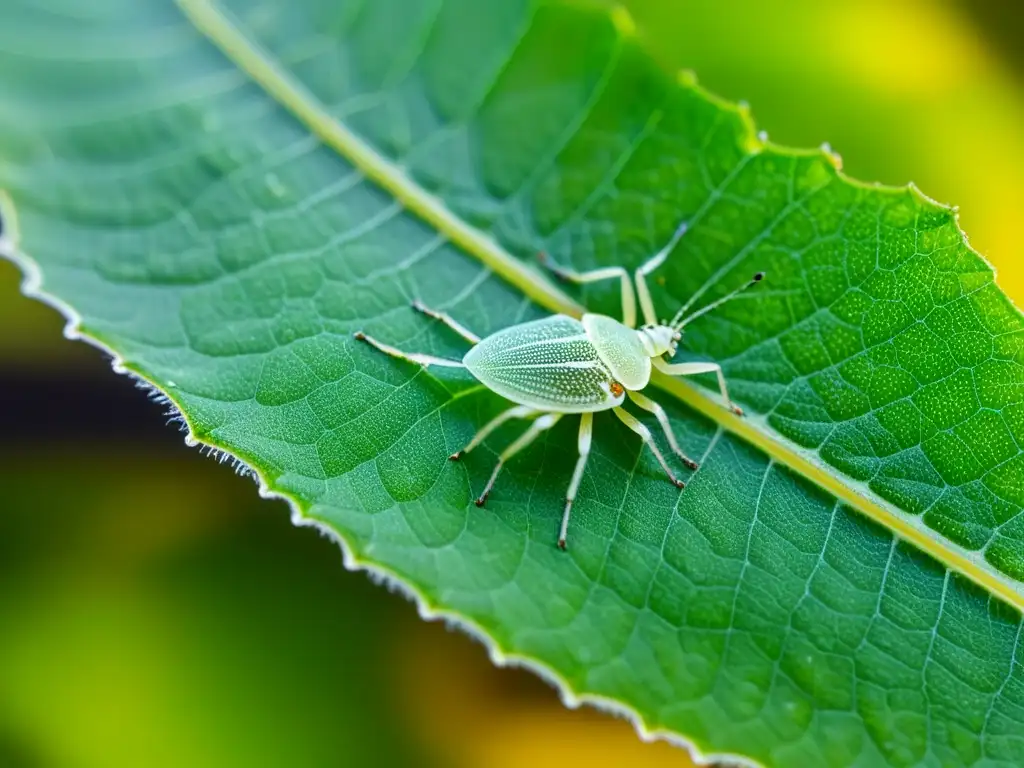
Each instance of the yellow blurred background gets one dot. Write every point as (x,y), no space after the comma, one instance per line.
(154,612)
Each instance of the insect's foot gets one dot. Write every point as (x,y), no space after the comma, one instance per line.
(482,500)
(690,463)
(561,544)
(456,456)
(678,483)
(736,409)
(359,336)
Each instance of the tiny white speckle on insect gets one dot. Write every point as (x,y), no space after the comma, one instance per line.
(559,365)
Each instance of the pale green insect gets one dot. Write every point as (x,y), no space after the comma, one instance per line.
(561,365)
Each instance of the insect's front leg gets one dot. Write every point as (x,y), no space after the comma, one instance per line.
(607,273)
(691,369)
(659,413)
(640,276)
(645,434)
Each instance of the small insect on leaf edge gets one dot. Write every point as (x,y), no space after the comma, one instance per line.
(552,367)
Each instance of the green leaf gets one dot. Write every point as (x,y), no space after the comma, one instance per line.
(221,194)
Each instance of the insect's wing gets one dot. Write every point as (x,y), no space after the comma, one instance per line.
(547,364)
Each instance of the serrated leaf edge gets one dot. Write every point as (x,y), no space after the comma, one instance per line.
(211,22)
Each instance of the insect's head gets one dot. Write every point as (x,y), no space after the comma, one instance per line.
(664,338)
(679,322)
(660,339)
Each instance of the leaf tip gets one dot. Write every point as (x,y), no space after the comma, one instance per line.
(623,21)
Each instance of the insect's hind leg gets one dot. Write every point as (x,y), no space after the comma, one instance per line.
(586,433)
(518,412)
(412,357)
(448,320)
(546,421)
(419,357)
(659,413)
(645,434)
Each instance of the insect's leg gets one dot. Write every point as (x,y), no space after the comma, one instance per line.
(412,357)
(645,434)
(586,432)
(690,369)
(460,329)
(659,413)
(546,421)
(628,299)
(518,412)
(646,305)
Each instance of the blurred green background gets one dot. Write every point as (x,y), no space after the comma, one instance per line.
(155,612)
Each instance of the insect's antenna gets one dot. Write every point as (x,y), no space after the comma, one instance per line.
(685,308)
(679,324)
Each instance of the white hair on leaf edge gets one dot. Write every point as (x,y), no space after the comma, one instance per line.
(32,287)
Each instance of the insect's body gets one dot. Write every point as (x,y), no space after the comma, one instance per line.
(548,364)
(559,365)
(562,364)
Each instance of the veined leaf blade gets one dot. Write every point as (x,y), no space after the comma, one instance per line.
(225,249)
